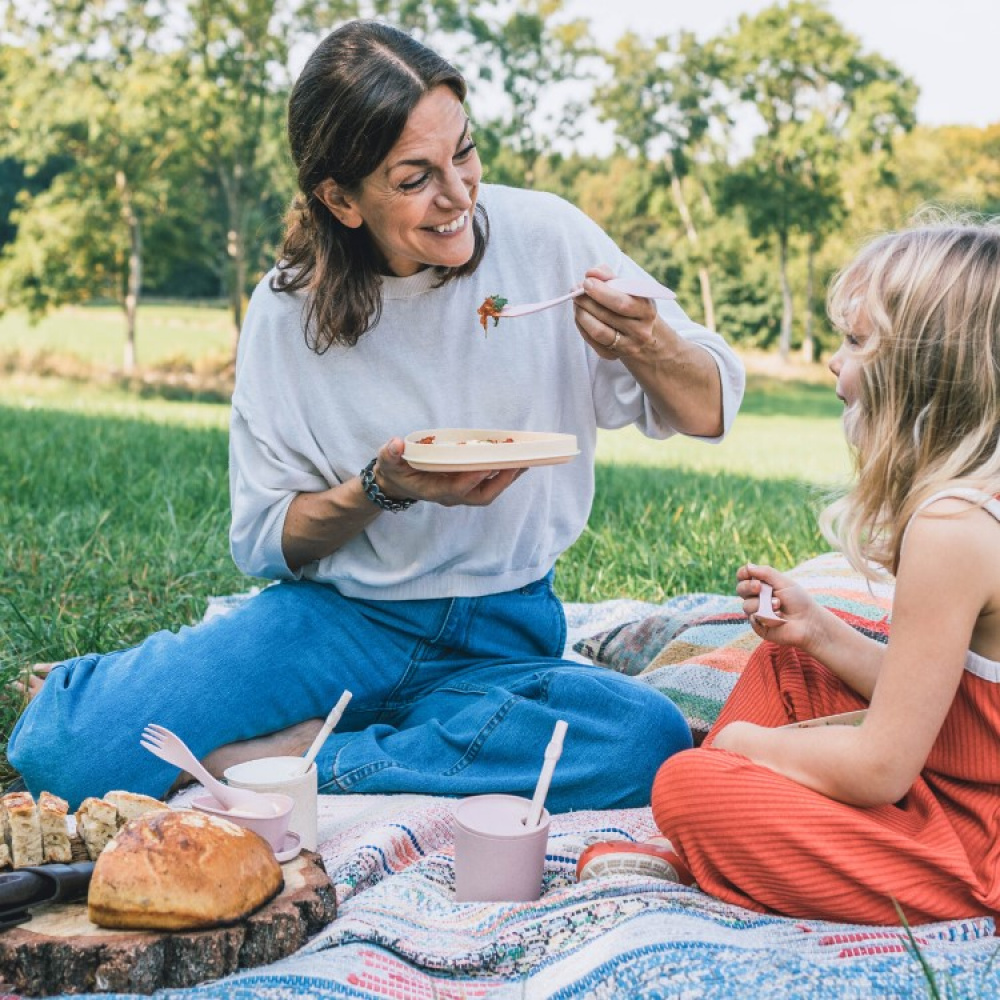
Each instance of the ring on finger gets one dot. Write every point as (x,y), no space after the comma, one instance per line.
(613,346)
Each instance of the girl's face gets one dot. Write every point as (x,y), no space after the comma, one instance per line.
(846,365)
(418,204)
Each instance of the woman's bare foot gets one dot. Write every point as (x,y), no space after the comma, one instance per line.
(35,676)
(291,742)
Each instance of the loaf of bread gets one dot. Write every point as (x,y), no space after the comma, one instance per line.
(24,829)
(52,812)
(178,870)
(132,804)
(96,823)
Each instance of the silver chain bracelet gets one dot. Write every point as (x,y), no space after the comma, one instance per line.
(376,496)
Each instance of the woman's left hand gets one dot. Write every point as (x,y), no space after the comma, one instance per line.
(615,324)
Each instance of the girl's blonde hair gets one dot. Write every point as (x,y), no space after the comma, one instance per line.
(928,415)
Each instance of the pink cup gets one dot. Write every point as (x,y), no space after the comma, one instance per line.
(497,857)
(272,825)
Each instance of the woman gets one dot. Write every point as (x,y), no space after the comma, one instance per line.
(428,595)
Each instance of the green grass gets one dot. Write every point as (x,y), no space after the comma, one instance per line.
(114,512)
(95,335)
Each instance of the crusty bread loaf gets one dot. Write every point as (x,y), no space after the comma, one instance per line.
(24,828)
(52,812)
(181,869)
(133,804)
(96,823)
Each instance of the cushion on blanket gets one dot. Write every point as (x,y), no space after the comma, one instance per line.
(694,647)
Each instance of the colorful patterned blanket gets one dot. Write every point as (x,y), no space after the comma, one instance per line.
(399,934)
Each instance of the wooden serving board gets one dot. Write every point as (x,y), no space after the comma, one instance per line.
(60,951)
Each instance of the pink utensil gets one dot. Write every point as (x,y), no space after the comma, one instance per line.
(162,743)
(765,612)
(331,721)
(644,288)
(552,754)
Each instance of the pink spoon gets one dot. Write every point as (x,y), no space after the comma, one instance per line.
(643,288)
(765,613)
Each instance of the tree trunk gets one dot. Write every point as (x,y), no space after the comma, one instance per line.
(134,281)
(59,950)
(808,337)
(235,249)
(704,276)
(785,341)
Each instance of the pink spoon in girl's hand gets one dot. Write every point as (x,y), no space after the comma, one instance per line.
(765,613)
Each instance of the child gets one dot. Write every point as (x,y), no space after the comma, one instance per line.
(839,821)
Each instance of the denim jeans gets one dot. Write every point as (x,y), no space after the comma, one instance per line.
(450,697)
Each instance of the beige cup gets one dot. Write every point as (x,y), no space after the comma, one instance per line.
(497,857)
(283,774)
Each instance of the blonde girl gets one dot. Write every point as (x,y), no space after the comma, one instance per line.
(842,822)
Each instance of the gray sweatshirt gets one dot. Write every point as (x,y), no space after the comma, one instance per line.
(304,422)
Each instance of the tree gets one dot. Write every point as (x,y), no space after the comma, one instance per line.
(536,59)
(88,86)
(819,98)
(238,79)
(663,100)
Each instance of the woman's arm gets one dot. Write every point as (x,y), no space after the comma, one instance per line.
(680,378)
(947,577)
(317,524)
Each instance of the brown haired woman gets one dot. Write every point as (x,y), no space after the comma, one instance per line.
(428,595)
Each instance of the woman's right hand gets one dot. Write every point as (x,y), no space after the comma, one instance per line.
(398,479)
(795,605)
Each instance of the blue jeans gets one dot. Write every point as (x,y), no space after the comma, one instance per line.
(450,697)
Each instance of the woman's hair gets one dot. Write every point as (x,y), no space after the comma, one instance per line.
(347,109)
(928,414)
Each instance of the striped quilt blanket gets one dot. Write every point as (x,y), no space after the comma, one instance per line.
(400,935)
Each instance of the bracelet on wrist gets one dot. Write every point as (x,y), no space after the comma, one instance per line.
(376,496)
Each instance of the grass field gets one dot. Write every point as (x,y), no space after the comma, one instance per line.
(114,511)
(166,334)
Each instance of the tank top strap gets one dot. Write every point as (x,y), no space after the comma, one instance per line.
(990,504)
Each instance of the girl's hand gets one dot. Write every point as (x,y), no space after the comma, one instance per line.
(398,479)
(791,602)
(616,325)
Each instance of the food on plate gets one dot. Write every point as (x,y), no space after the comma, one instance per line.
(23,829)
(132,804)
(97,823)
(52,812)
(490,310)
(180,870)
(487,441)
(426,440)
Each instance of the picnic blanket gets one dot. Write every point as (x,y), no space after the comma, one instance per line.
(400,935)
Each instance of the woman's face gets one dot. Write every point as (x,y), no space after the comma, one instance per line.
(418,204)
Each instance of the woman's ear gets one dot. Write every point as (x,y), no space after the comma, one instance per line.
(341,205)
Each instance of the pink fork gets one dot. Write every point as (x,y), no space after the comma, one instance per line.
(169,747)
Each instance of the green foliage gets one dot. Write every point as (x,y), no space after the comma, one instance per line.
(146,153)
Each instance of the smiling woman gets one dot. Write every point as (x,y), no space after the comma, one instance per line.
(427,592)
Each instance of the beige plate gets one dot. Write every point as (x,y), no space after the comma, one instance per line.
(477,449)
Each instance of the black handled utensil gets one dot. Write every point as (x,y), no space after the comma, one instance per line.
(29,887)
